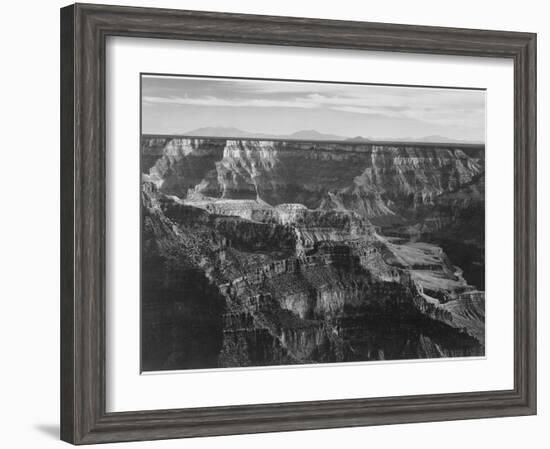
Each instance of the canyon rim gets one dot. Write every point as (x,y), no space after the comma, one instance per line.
(300,222)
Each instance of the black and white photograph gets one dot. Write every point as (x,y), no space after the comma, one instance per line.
(272,225)
(300,222)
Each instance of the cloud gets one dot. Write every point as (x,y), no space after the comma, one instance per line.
(235,103)
(363,110)
(433,106)
(270,87)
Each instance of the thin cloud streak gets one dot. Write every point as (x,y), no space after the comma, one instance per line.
(234,103)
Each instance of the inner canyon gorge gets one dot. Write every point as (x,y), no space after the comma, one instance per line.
(279,252)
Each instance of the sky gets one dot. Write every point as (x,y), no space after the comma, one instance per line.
(179,104)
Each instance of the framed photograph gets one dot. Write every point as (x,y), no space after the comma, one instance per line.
(274,223)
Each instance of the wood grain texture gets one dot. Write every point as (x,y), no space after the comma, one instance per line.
(84,29)
(67,224)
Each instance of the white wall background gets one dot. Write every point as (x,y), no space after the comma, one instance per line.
(29,223)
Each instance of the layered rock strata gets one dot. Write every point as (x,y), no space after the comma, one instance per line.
(272,252)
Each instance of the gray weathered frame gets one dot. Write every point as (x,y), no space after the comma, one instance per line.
(84,29)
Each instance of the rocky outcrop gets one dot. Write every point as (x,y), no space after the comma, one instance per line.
(398,182)
(273,252)
(182,163)
(372,180)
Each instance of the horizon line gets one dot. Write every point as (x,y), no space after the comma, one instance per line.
(349,141)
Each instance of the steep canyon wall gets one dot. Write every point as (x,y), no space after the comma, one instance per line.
(281,252)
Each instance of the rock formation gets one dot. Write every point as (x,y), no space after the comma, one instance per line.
(259,252)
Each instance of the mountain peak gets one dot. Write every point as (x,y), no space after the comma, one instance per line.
(358,139)
(218,131)
(314,134)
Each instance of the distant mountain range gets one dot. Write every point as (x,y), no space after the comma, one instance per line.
(427,139)
(311,134)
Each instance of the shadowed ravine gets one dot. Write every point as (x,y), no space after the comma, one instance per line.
(286,252)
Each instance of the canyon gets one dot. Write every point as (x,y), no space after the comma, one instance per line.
(279,252)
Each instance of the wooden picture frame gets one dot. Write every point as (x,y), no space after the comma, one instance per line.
(84,29)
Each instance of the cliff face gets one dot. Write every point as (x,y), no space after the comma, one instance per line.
(265,252)
(372,180)
(403,182)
